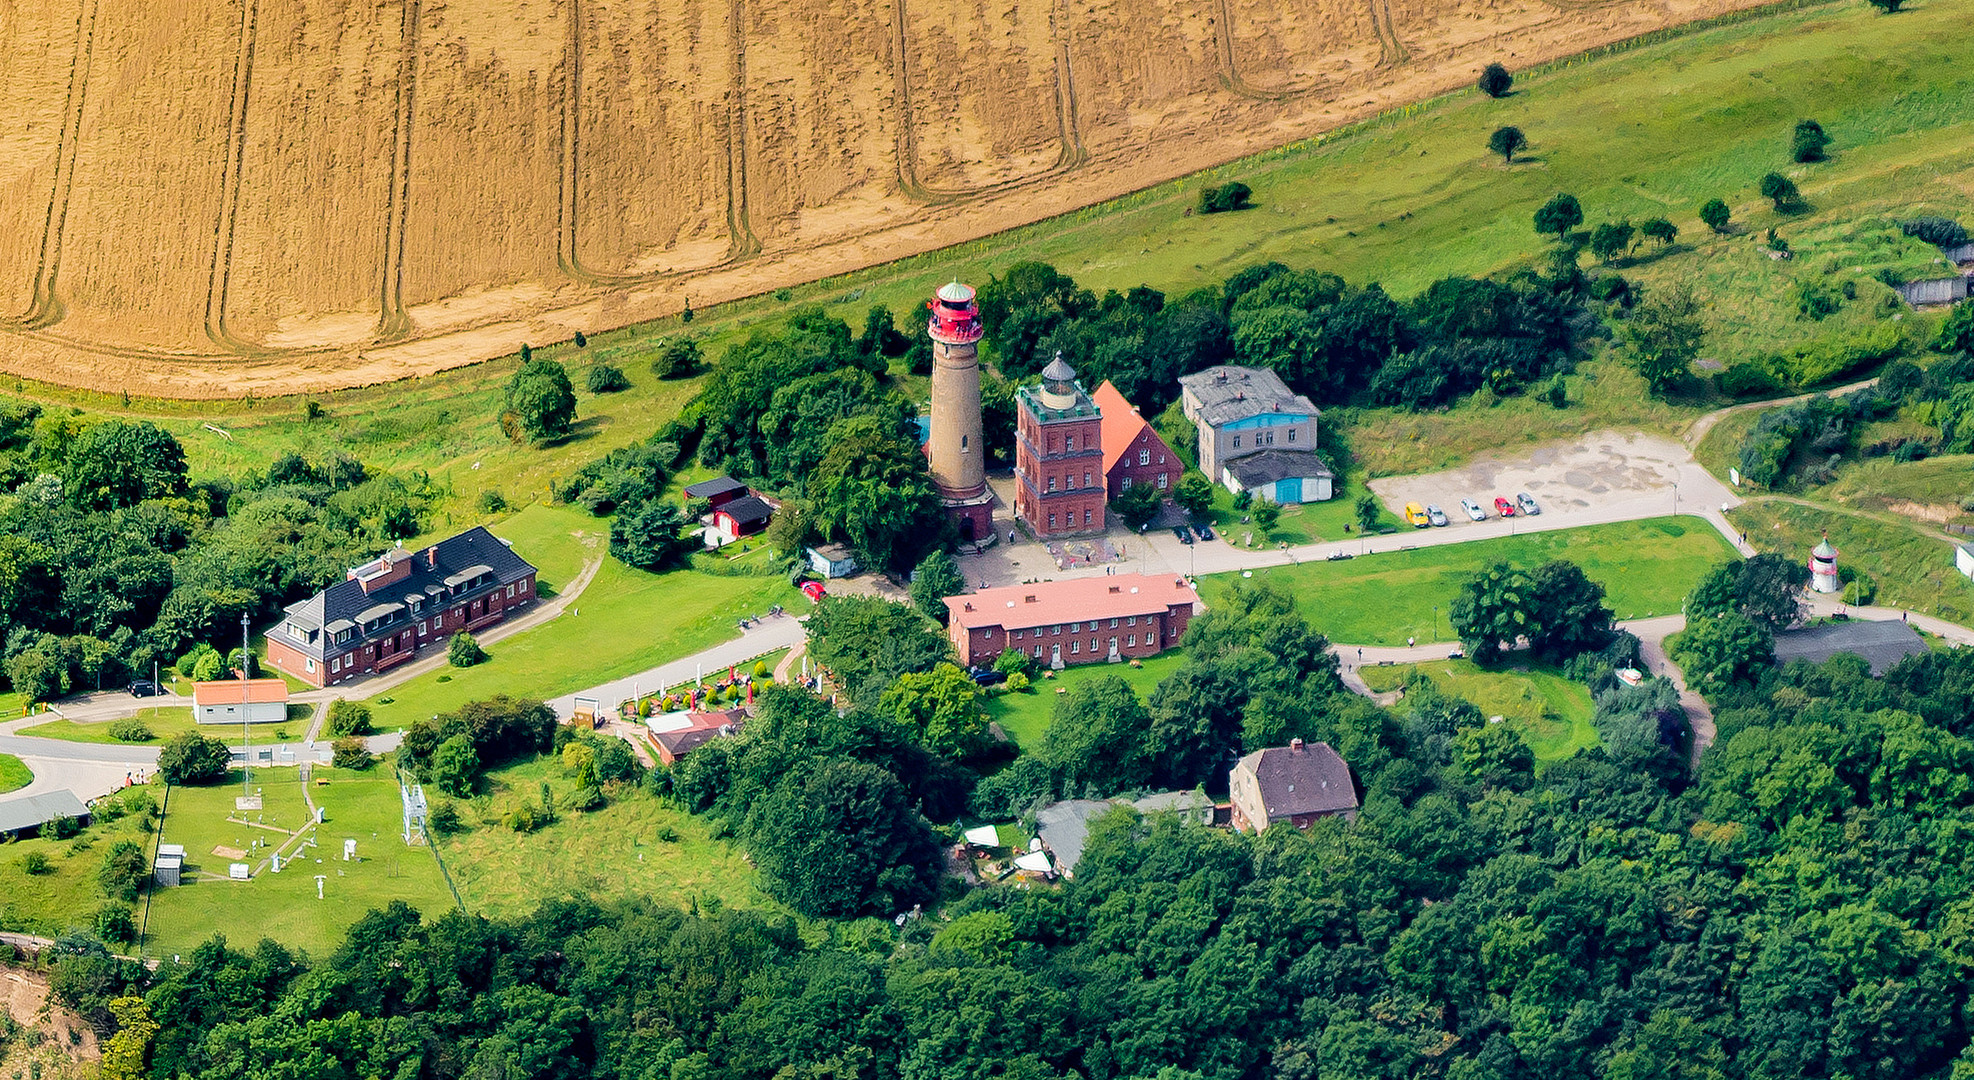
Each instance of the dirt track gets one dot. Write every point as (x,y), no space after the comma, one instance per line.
(205,198)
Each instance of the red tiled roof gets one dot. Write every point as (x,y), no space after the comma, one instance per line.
(1121,423)
(227,691)
(1075,600)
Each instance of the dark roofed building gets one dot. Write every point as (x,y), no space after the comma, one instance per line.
(383,612)
(1285,477)
(20,815)
(1882,644)
(718,491)
(1297,783)
(740,517)
(1247,412)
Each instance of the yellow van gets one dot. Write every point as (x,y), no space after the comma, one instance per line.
(1416,514)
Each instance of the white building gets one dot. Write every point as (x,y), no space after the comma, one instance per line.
(1256,436)
(231,701)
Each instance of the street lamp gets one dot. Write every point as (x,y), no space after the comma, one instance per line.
(1675,498)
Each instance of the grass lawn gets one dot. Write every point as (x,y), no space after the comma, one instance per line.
(637,846)
(1911,569)
(559,540)
(14,774)
(1646,568)
(1026,716)
(1552,713)
(1938,485)
(165,724)
(66,897)
(363,806)
(628,621)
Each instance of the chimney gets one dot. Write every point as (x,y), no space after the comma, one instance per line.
(1116,588)
(432,557)
(1030,599)
(969,605)
(1295,746)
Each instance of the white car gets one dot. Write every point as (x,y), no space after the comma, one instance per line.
(1473,510)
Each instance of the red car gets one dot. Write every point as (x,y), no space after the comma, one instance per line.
(1503,507)
(814,591)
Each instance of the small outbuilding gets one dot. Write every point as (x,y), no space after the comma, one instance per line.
(832,560)
(169,866)
(23,816)
(235,701)
(738,518)
(1064,828)
(1963,559)
(1283,477)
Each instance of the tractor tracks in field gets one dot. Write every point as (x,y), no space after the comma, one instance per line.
(220,274)
(392,321)
(44,309)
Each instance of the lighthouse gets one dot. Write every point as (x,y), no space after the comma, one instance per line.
(1823,568)
(954,449)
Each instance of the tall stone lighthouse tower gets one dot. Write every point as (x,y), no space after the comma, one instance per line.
(956,453)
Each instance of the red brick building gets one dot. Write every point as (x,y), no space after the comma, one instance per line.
(1082,621)
(387,611)
(1058,456)
(1134,455)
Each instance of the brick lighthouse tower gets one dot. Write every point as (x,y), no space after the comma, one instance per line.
(956,453)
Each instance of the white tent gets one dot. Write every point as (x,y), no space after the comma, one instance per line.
(1034,861)
(983,836)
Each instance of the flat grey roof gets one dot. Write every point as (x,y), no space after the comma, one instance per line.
(1228,393)
(1882,644)
(1268,466)
(1065,826)
(34,810)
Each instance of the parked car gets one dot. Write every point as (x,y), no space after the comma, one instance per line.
(988,676)
(144,688)
(1185,535)
(1473,510)
(1527,502)
(814,591)
(1503,507)
(1203,531)
(1416,514)
(1435,515)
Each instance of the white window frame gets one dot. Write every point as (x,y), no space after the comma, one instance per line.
(1144,457)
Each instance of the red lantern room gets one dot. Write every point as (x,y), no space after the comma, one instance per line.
(955,317)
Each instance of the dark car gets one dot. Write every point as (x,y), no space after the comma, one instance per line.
(144,688)
(988,676)
(1181,532)
(1203,532)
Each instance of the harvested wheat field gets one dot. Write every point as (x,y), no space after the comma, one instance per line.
(203,198)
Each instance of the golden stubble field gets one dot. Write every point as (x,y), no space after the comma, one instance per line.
(203,198)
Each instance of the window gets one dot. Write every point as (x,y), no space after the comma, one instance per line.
(510,592)
(1075,647)
(1144,457)
(1093,644)
(1069,482)
(1237,442)
(349,659)
(1015,635)
(1291,434)
(1075,627)
(1113,624)
(1056,629)
(421,626)
(1052,483)
(1126,485)
(1161,459)
(1086,517)
(335,665)
(1086,478)
(1072,444)
(1131,639)
(1038,652)
(1130,620)
(962,444)
(311,667)
(1052,517)
(1161,481)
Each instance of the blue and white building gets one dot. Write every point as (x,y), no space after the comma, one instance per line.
(1254,435)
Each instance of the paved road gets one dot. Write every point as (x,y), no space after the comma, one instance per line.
(779,632)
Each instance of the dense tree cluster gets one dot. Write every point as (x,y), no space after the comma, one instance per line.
(1554,608)
(112,558)
(451,749)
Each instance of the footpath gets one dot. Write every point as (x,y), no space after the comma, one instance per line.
(776,632)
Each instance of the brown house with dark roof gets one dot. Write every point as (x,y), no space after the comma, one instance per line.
(1297,783)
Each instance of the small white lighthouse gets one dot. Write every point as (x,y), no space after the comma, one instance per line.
(1823,568)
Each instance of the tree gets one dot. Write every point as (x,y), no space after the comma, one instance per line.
(1136,505)
(1098,741)
(840,839)
(1193,493)
(1569,612)
(872,490)
(1368,512)
(942,708)
(351,752)
(1663,336)
(1559,215)
(455,767)
(114,924)
(542,400)
(1495,608)
(1660,229)
(1507,141)
(117,464)
(1766,588)
(1495,82)
(1494,755)
(193,758)
(1266,515)
(125,1051)
(868,642)
(1779,190)
(937,577)
(1608,241)
(123,870)
(1721,651)
(1957,331)
(676,358)
(1232,195)
(881,336)
(1808,142)
(1714,215)
(1887,7)
(651,536)
(606,379)
(1639,723)
(349,718)
(463,651)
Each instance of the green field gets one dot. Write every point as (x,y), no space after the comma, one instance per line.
(1911,568)
(363,806)
(1646,568)
(1026,716)
(67,897)
(627,621)
(1551,712)
(636,846)
(14,774)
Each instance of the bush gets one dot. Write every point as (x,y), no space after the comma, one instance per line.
(193,758)
(114,924)
(36,863)
(677,358)
(1714,215)
(1495,81)
(1938,231)
(455,767)
(463,651)
(1017,683)
(491,502)
(444,818)
(351,753)
(1014,662)
(1808,142)
(1748,381)
(1779,190)
(525,817)
(349,718)
(129,729)
(1232,195)
(761,669)
(606,379)
(123,870)
(62,827)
